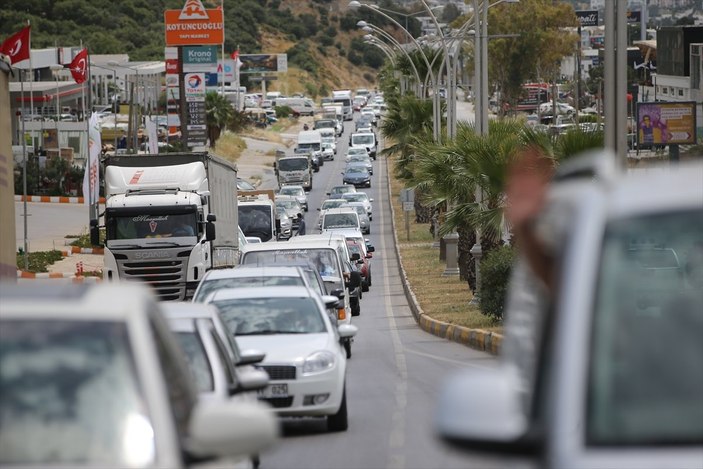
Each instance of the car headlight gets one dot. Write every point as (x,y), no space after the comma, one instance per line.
(318,362)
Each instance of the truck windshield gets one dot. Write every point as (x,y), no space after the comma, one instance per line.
(131,225)
(255,220)
(293,164)
(308,147)
(325,124)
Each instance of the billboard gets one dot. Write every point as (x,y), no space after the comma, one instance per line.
(587,17)
(663,123)
(200,59)
(194,25)
(262,63)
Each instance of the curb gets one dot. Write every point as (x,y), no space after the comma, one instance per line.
(76,250)
(477,339)
(54,199)
(56,275)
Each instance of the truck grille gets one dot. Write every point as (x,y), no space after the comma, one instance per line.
(166,276)
(279,372)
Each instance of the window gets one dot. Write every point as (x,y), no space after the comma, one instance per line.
(680,91)
(198,362)
(227,364)
(646,380)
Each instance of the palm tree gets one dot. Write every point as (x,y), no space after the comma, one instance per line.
(219,113)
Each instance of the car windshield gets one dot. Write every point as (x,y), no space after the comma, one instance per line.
(288,204)
(291,191)
(209,286)
(356,197)
(198,362)
(293,164)
(334,203)
(360,210)
(356,170)
(340,220)
(255,220)
(71,396)
(261,316)
(646,378)
(362,139)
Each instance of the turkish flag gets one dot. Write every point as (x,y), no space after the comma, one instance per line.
(16,47)
(79,66)
(234,54)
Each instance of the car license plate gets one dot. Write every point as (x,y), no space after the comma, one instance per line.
(274,390)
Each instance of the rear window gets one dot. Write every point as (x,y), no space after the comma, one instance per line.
(209,286)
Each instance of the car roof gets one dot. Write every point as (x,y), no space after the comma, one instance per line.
(335,210)
(245,271)
(187,310)
(52,300)
(262,292)
(292,186)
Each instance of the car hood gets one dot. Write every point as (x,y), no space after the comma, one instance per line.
(286,348)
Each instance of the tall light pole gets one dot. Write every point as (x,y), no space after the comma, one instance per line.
(369,28)
(114,104)
(135,124)
(436,123)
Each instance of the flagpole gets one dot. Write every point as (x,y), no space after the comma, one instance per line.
(31,90)
(24,171)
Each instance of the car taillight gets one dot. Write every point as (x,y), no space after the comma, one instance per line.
(341,314)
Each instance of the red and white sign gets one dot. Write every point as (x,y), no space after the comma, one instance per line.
(194,86)
(194,25)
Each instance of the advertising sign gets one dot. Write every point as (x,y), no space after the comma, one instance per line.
(260,63)
(194,86)
(587,17)
(634,17)
(194,25)
(200,59)
(660,123)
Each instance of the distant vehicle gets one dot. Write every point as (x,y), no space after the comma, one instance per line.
(304,358)
(605,370)
(95,374)
(357,176)
(337,191)
(344,98)
(364,221)
(296,191)
(362,197)
(341,217)
(326,205)
(364,140)
(302,106)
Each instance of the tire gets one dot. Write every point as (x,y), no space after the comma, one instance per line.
(347,348)
(369,278)
(356,310)
(339,421)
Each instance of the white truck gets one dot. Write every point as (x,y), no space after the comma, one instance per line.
(294,170)
(160,215)
(259,218)
(309,143)
(344,97)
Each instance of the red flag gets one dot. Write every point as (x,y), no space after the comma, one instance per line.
(79,66)
(16,47)
(234,54)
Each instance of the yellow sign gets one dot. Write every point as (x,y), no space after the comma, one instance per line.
(660,123)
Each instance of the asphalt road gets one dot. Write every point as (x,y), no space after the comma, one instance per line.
(395,373)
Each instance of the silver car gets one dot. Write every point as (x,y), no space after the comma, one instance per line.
(296,191)
(606,371)
(364,221)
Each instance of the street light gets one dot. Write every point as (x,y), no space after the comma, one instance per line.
(369,28)
(133,120)
(55,68)
(114,104)
(406,15)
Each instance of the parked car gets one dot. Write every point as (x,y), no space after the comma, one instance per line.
(356,176)
(91,375)
(296,191)
(304,358)
(605,370)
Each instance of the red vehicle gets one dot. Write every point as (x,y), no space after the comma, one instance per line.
(364,262)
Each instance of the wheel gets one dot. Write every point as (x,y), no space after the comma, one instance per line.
(369,278)
(347,348)
(356,309)
(339,422)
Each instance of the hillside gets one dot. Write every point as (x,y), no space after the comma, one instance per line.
(324,47)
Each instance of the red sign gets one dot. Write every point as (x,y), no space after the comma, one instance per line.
(194,25)
(171,66)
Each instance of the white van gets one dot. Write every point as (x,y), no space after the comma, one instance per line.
(329,142)
(303,106)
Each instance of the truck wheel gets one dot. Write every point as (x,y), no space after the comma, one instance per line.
(339,421)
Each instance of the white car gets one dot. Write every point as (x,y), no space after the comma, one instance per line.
(364,222)
(358,151)
(362,197)
(371,114)
(326,205)
(95,374)
(296,191)
(304,358)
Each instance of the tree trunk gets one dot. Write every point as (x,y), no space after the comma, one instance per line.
(467,238)
(423,213)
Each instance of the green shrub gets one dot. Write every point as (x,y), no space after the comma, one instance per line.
(355,58)
(495,274)
(39,261)
(283,111)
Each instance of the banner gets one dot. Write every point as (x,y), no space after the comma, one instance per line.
(153,135)
(261,63)
(587,17)
(660,123)
(194,25)
(91,188)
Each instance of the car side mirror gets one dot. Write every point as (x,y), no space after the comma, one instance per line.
(211,217)
(339,293)
(481,409)
(370,200)
(347,330)
(250,380)
(250,357)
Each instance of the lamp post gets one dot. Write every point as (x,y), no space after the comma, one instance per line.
(55,68)
(436,124)
(369,28)
(114,104)
(135,125)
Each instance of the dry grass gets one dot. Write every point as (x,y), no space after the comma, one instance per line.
(229,146)
(442,298)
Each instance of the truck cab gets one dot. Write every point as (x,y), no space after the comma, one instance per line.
(258,217)
(294,170)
